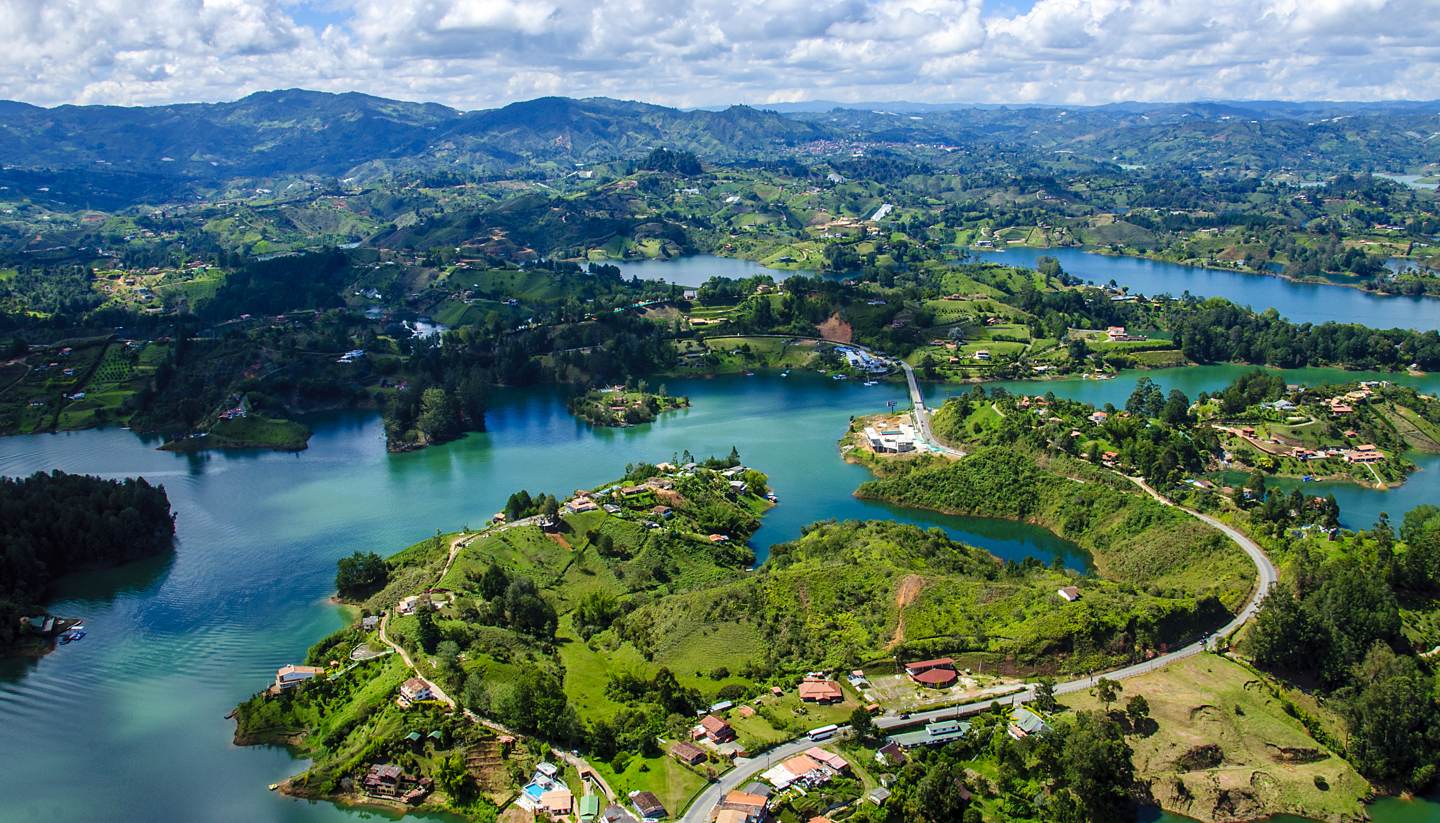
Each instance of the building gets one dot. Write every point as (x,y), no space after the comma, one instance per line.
(821,691)
(713,729)
(891,439)
(687,753)
(802,769)
(1025,723)
(384,780)
(649,806)
(934,734)
(740,807)
(589,810)
(891,754)
(1069,593)
(1366,453)
(288,677)
(617,814)
(936,674)
(579,505)
(557,803)
(415,690)
(878,795)
(830,760)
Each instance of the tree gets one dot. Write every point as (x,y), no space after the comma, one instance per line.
(1137,710)
(863,725)
(1285,635)
(439,418)
(360,575)
(1107,691)
(426,632)
(1045,695)
(1392,718)
(494,582)
(1096,771)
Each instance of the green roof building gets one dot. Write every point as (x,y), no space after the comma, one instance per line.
(934,734)
(589,808)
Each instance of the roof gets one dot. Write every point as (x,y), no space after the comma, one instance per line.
(731,816)
(933,734)
(922,665)
(687,751)
(590,804)
(648,804)
(617,814)
(937,677)
(802,764)
(743,801)
(386,770)
(292,672)
(830,759)
(713,724)
(557,800)
(820,690)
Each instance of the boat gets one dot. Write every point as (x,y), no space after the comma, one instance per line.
(872,382)
(837,377)
(785,373)
(749,374)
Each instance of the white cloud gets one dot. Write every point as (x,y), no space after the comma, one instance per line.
(473,53)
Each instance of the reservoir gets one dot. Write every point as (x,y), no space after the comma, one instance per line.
(1297,302)
(129,723)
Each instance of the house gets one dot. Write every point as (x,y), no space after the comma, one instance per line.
(878,795)
(415,690)
(407,604)
(891,754)
(821,691)
(1026,723)
(557,803)
(580,505)
(1366,453)
(934,734)
(1099,417)
(802,769)
(370,623)
(1069,593)
(589,808)
(687,753)
(982,354)
(714,729)
(288,677)
(383,780)
(830,760)
(936,674)
(742,807)
(649,806)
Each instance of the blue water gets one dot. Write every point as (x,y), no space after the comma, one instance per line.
(1298,302)
(695,269)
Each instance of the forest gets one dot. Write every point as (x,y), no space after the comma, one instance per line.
(55,523)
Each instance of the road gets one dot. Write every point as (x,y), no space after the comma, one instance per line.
(1266,576)
(922,415)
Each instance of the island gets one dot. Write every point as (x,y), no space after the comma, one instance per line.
(620,406)
(57,523)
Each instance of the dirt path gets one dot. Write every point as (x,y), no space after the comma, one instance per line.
(909,589)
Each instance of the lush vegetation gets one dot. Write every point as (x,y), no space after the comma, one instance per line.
(56,523)
(622,407)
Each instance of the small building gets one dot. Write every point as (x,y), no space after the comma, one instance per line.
(821,691)
(891,754)
(589,809)
(1025,723)
(415,690)
(830,760)
(288,677)
(742,807)
(370,623)
(714,729)
(1069,593)
(649,806)
(687,753)
(934,734)
(877,795)
(557,803)
(936,674)
(617,814)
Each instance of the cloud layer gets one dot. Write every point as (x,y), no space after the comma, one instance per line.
(480,53)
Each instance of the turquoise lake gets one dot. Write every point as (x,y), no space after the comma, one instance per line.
(129,723)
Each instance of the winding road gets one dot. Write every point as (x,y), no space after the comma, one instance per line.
(1266,577)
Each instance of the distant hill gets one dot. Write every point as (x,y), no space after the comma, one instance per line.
(110,156)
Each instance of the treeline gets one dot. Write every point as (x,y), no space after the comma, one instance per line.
(1340,624)
(56,523)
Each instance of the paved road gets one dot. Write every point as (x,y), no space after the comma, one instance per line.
(922,415)
(1266,577)
(745,769)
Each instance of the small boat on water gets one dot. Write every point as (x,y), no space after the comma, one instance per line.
(837,377)
(872,382)
(785,373)
(749,374)
(71,635)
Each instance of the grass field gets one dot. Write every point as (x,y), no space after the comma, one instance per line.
(675,784)
(1210,700)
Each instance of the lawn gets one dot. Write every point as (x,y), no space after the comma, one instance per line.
(1207,699)
(674,783)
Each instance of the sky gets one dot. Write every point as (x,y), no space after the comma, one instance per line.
(473,54)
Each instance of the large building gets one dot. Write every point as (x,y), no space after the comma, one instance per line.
(891,439)
(937,674)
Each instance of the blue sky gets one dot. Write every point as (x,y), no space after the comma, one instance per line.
(481,53)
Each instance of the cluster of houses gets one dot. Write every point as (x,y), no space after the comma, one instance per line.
(862,360)
(809,769)
(1023,723)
